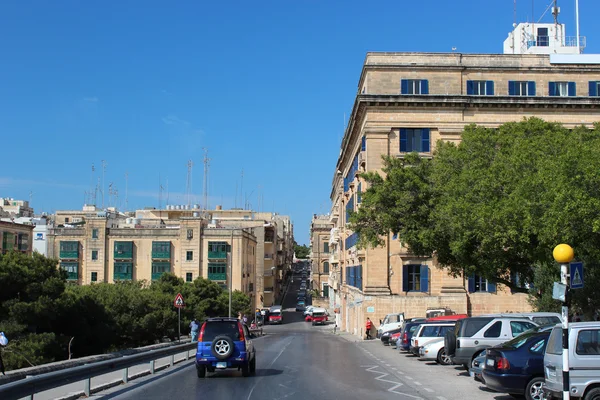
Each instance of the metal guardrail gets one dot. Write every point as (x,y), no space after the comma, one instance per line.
(34,384)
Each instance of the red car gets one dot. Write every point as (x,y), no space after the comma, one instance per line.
(275,317)
(319,317)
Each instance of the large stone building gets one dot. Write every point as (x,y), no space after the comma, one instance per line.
(15,237)
(15,208)
(320,231)
(406,102)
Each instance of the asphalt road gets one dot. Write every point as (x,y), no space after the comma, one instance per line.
(299,361)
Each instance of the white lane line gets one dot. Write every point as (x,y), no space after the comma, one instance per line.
(429,390)
(270,365)
(441,398)
(418,383)
(394,368)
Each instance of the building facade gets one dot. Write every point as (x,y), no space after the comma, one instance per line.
(15,237)
(16,208)
(320,233)
(406,102)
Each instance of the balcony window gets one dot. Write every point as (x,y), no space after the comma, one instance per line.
(414,86)
(521,88)
(326,267)
(415,278)
(325,247)
(161,250)
(562,89)
(123,250)
(480,88)
(69,249)
(478,283)
(189,255)
(217,250)
(217,271)
(123,271)
(95,233)
(159,268)
(414,140)
(72,269)
(94,255)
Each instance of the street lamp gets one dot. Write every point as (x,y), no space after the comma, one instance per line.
(563,254)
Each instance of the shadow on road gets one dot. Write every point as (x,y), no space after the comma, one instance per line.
(232,373)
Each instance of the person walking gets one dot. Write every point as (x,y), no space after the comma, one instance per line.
(194,326)
(369,327)
(245,319)
(3,343)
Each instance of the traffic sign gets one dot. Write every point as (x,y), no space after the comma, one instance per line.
(576,275)
(179,303)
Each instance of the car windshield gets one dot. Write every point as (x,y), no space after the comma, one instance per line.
(318,314)
(276,314)
(519,340)
(213,329)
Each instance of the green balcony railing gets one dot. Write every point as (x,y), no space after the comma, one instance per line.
(123,250)
(219,255)
(217,250)
(216,276)
(161,250)
(72,269)
(123,272)
(159,268)
(69,249)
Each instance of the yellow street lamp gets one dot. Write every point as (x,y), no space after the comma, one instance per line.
(563,254)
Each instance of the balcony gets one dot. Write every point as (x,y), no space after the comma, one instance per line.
(159,268)
(123,251)
(217,250)
(69,250)
(268,289)
(72,269)
(217,271)
(161,250)
(123,271)
(217,276)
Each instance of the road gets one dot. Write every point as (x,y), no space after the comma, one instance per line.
(299,361)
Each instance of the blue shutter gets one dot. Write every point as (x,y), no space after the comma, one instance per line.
(593,88)
(572,89)
(425,140)
(363,144)
(405,278)
(551,88)
(424,86)
(471,285)
(403,139)
(404,86)
(511,88)
(531,88)
(469,87)
(491,287)
(394,236)
(359,193)
(424,278)
(489,88)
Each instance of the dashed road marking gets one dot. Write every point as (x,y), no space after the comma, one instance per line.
(418,383)
(429,390)
(441,398)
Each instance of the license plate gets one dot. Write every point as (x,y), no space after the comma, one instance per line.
(489,362)
(221,365)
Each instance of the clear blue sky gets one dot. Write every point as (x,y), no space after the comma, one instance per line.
(264,85)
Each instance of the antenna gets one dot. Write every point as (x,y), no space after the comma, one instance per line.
(242,190)
(577,25)
(205,183)
(92,190)
(515,14)
(190,164)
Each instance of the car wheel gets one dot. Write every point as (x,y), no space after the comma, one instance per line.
(201,370)
(450,343)
(222,347)
(593,394)
(253,366)
(246,369)
(533,390)
(443,358)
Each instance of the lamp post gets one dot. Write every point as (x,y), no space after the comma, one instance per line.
(563,254)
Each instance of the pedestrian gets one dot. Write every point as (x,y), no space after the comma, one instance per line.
(194,326)
(245,319)
(239,316)
(3,343)
(369,327)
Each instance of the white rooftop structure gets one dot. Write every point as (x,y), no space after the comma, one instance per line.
(549,38)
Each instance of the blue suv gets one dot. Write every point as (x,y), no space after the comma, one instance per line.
(225,343)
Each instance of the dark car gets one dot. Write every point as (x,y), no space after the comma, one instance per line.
(517,366)
(407,331)
(385,336)
(225,343)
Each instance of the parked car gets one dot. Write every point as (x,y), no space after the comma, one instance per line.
(408,328)
(394,337)
(276,317)
(435,351)
(385,338)
(427,332)
(391,321)
(472,336)
(308,310)
(300,305)
(584,361)
(540,318)
(319,316)
(516,367)
(225,343)
(477,366)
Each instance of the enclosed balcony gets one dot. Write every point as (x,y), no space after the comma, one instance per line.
(217,271)
(123,250)
(123,271)
(161,250)
(217,250)
(69,250)
(159,268)
(72,269)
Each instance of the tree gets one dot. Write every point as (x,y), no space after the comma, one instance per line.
(496,204)
(301,251)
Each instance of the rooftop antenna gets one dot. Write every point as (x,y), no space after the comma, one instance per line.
(30,198)
(515,14)
(242,190)
(205,183)
(190,164)
(577,25)
(92,190)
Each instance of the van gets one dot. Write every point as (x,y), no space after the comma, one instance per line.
(584,362)
(391,321)
(428,332)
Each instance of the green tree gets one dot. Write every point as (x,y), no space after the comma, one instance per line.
(301,251)
(496,204)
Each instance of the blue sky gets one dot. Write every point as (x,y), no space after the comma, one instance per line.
(263,85)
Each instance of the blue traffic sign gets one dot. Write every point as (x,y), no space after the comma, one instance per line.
(576,275)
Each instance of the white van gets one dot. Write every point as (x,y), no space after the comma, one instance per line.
(390,322)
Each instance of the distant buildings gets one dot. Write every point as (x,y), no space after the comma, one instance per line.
(320,232)
(15,237)
(10,207)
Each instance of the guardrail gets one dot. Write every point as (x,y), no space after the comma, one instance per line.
(31,385)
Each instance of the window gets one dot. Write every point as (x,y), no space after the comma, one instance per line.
(94,277)
(471,326)
(189,256)
(444,329)
(480,88)
(349,208)
(594,88)
(555,342)
(95,233)
(66,220)
(188,276)
(538,347)
(562,89)
(521,88)
(363,143)
(94,255)
(494,330)
(414,140)
(325,290)
(588,342)
(518,327)
(429,331)
(480,284)
(326,267)
(415,278)
(190,233)
(217,271)
(542,37)
(414,86)
(325,247)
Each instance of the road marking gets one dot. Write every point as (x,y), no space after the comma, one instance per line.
(429,390)
(441,398)
(394,368)
(418,383)
(270,365)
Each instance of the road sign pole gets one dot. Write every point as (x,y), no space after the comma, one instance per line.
(563,253)
(179,324)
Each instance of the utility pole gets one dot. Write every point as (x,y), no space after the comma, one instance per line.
(230,270)
(190,164)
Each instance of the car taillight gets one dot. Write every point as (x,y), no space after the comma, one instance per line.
(502,363)
(405,338)
(242,338)
(201,332)
(416,343)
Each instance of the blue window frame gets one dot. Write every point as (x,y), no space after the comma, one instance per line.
(480,88)
(594,87)
(414,86)
(414,140)
(562,89)
(521,88)
(363,143)
(415,278)
(478,283)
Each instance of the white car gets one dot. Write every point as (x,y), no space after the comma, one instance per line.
(308,310)
(434,350)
